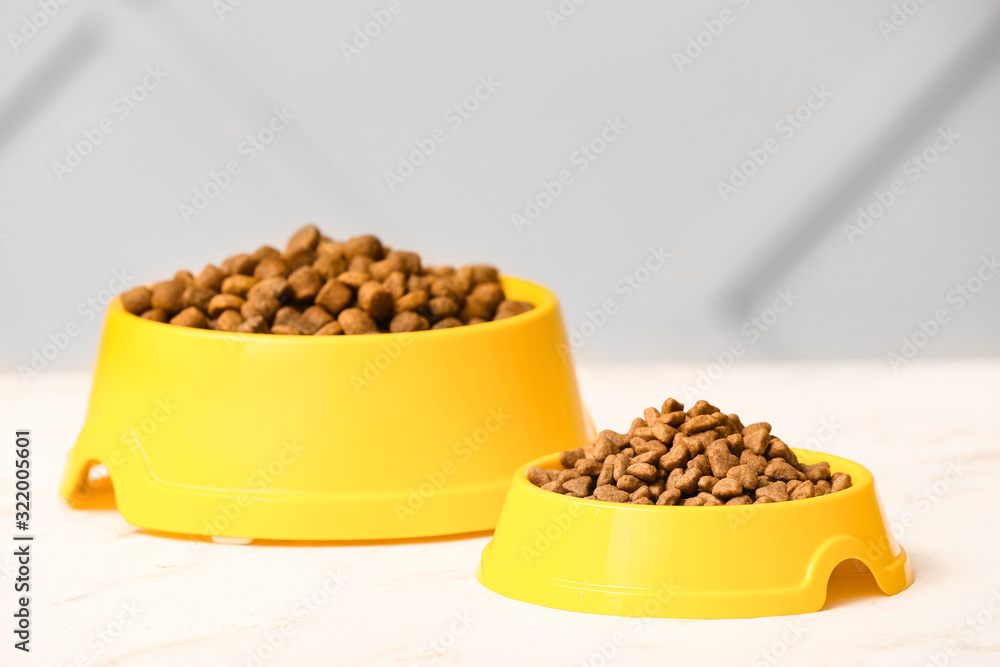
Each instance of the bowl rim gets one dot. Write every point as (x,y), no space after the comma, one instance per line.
(858,486)
(547,303)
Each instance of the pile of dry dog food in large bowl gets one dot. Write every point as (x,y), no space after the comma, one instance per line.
(319,286)
(698,457)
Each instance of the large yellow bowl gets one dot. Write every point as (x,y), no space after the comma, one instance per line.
(325,438)
(688,562)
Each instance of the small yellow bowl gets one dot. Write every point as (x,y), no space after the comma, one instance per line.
(260,436)
(688,562)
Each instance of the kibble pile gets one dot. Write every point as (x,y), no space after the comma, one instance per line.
(698,457)
(319,286)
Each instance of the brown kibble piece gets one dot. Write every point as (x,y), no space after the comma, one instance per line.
(817,471)
(839,481)
(569,457)
(305,283)
(168,295)
(641,492)
(707,482)
(334,296)
(720,459)
(663,432)
(137,300)
(241,264)
(384,268)
(448,323)
(652,457)
(239,285)
(441,307)
(276,288)
(752,461)
(287,315)
(578,487)
(306,238)
(269,267)
(668,497)
(746,477)
(609,493)
(671,405)
(643,471)
(356,321)
(412,301)
(622,462)
(776,491)
(698,424)
(739,500)
(607,474)
(211,277)
(265,251)
(778,449)
(710,500)
(374,298)
(588,467)
(537,476)
(285,330)
(260,305)
(228,320)
(783,471)
(511,308)
(331,329)
(629,483)
(359,264)
(223,302)
(156,315)
(482,301)
(757,437)
(396,284)
(313,319)
(688,481)
(190,317)
(254,324)
(803,490)
(197,297)
(354,279)
(727,488)
(566,475)
(677,457)
(184,277)
(408,321)
(365,244)
(410,261)
(330,265)
(702,408)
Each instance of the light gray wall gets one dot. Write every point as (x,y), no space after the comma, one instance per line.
(654,186)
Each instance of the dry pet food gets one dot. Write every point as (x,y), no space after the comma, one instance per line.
(321,287)
(698,457)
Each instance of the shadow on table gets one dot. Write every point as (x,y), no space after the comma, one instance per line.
(850,582)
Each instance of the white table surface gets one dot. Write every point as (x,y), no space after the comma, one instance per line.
(418,603)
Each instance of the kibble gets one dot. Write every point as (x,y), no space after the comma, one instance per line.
(321,287)
(699,458)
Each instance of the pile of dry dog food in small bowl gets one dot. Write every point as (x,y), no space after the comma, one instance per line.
(318,286)
(698,457)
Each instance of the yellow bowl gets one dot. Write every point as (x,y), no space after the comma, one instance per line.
(382,436)
(688,562)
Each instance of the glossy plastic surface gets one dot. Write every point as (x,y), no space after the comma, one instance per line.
(688,562)
(325,438)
